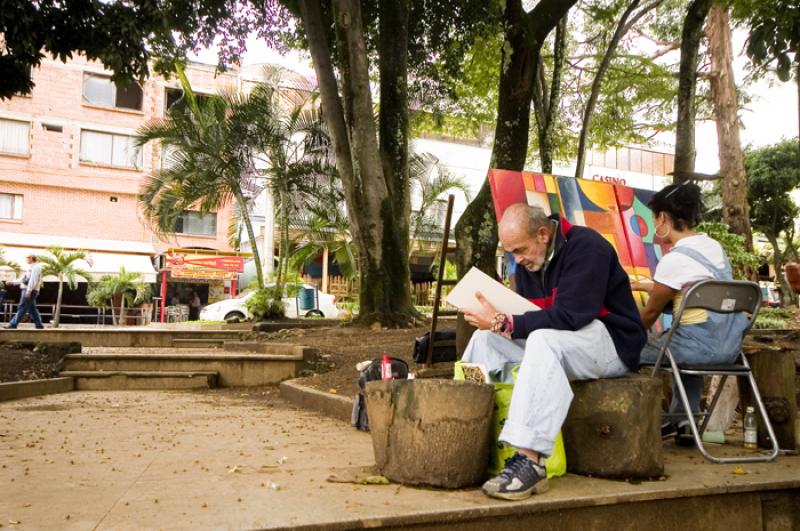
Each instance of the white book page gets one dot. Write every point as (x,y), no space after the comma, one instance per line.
(503,299)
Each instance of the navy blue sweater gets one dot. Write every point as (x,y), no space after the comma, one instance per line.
(583,281)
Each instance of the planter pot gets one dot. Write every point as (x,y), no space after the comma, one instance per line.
(793,276)
(431,432)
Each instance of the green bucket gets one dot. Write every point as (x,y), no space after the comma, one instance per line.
(556,464)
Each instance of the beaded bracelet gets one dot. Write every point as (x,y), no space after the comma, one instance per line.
(502,324)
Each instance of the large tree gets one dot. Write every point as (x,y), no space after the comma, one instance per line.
(346,37)
(772,174)
(691,37)
(735,209)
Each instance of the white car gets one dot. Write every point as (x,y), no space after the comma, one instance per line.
(233,310)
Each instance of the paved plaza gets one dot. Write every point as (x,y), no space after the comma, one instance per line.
(245,459)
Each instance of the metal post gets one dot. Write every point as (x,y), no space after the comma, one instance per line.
(163,292)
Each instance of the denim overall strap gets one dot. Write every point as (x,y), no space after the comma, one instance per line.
(720,273)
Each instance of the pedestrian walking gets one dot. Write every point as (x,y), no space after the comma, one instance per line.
(29,290)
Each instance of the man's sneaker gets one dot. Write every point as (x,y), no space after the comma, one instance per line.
(520,478)
(668,429)
(684,436)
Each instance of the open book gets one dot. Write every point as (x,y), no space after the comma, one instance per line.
(503,299)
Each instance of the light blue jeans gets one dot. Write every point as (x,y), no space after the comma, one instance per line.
(549,360)
(717,341)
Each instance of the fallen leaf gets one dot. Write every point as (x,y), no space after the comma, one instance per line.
(739,470)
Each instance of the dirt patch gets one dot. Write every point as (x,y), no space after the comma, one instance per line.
(341,347)
(29,362)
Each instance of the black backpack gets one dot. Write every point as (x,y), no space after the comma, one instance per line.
(441,353)
(373,372)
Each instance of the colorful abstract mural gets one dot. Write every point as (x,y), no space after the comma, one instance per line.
(619,213)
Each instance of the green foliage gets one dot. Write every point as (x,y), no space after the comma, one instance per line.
(772,318)
(772,173)
(431,182)
(126,36)
(61,264)
(774,33)
(128,285)
(213,145)
(733,245)
(4,262)
(267,303)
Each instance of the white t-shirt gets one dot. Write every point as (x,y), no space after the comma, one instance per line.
(676,269)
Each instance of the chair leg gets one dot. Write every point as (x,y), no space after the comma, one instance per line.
(698,440)
(764,417)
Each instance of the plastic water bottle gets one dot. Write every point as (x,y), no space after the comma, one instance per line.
(750,430)
(386,368)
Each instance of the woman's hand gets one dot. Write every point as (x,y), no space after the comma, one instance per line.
(644,284)
(660,295)
(482,319)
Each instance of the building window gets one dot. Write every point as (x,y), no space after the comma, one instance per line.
(196,224)
(10,206)
(110,149)
(174,96)
(100,90)
(15,137)
(169,156)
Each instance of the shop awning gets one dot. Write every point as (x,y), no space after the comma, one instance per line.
(105,256)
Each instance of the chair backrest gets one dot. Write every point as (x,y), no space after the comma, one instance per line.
(723,296)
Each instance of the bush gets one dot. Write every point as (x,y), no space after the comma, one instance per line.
(733,244)
(267,303)
(772,318)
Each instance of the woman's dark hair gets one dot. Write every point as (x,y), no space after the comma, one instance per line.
(682,202)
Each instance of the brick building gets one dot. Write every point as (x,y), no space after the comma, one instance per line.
(69,170)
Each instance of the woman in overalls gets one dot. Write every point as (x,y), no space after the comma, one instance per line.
(704,337)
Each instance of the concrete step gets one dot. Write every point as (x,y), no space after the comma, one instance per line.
(201,342)
(278,349)
(145,380)
(234,369)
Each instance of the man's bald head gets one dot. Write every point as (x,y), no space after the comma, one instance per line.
(525,231)
(521,216)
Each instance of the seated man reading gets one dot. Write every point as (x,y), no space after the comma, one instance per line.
(589,327)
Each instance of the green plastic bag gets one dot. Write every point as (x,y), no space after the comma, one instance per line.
(556,464)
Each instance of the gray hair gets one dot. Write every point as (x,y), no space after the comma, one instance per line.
(531,218)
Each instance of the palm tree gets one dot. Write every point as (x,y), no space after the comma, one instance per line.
(322,225)
(296,158)
(213,145)
(430,181)
(4,262)
(129,286)
(61,264)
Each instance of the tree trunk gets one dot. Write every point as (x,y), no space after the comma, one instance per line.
(735,209)
(546,103)
(251,235)
(685,153)
(476,230)
(385,292)
(57,312)
(777,259)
